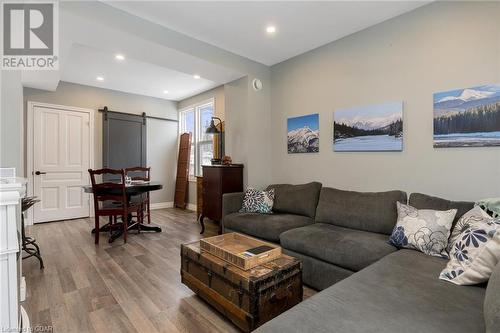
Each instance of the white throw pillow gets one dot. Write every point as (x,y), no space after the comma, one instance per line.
(475,251)
(424,230)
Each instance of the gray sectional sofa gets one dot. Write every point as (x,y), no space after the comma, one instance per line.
(367,285)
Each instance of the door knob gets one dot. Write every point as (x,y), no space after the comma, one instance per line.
(38,173)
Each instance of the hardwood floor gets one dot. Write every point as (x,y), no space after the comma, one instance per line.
(133,287)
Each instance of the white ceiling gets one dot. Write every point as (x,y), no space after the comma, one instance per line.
(239,26)
(166,43)
(84,64)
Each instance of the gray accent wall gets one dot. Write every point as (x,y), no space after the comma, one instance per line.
(162,135)
(439,47)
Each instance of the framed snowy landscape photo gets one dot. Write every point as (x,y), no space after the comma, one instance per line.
(303,134)
(369,128)
(467,117)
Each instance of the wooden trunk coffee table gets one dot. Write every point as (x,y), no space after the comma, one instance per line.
(249,298)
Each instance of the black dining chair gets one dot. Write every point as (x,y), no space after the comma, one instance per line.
(142,174)
(110,199)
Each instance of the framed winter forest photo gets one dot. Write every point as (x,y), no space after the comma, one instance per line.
(369,128)
(467,117)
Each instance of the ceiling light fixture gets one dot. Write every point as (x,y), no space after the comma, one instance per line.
(120,57)
(196,76)
(165,91)
(271,29)
(99,78)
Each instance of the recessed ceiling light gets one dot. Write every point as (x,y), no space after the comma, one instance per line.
(119,57)
(271,29)
(99,78)
(196,76)
(165,91)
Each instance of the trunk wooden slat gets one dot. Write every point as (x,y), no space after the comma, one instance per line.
(248,298)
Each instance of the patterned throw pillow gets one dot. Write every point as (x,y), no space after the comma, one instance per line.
(258,201)
(475,214)
(424,230)
(475,251)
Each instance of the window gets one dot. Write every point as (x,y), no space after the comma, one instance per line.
(195,120)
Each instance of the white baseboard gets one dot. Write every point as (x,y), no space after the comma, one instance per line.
(161,205)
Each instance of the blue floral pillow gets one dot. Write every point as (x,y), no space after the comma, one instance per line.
(475,250)
(258,201)
(424,230)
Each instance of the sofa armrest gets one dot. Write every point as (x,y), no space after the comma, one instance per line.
(231,203)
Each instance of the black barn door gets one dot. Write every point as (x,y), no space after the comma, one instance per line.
(124,140)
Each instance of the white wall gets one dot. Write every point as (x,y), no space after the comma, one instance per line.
(441,46)
(162,135)
(11,121)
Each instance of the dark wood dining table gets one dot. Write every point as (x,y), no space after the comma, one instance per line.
(133,189)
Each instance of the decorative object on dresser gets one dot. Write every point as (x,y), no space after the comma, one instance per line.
(182,180)
(218,139)
(248,298)
(217,180)
(227,160)
(12,286)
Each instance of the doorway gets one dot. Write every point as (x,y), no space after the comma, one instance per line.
(60,150)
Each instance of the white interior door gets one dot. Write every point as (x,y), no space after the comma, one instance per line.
(61,158)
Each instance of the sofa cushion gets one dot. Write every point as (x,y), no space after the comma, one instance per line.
(368,211)
(399,293)
(264,226)
(492,302)
(296,199)
(319,274)
(424,201)
(347,248)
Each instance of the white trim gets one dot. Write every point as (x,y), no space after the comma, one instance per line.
(195,107)
(29,145)
(161,205)
(192,207)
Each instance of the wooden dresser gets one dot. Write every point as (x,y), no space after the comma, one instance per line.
(217,180)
